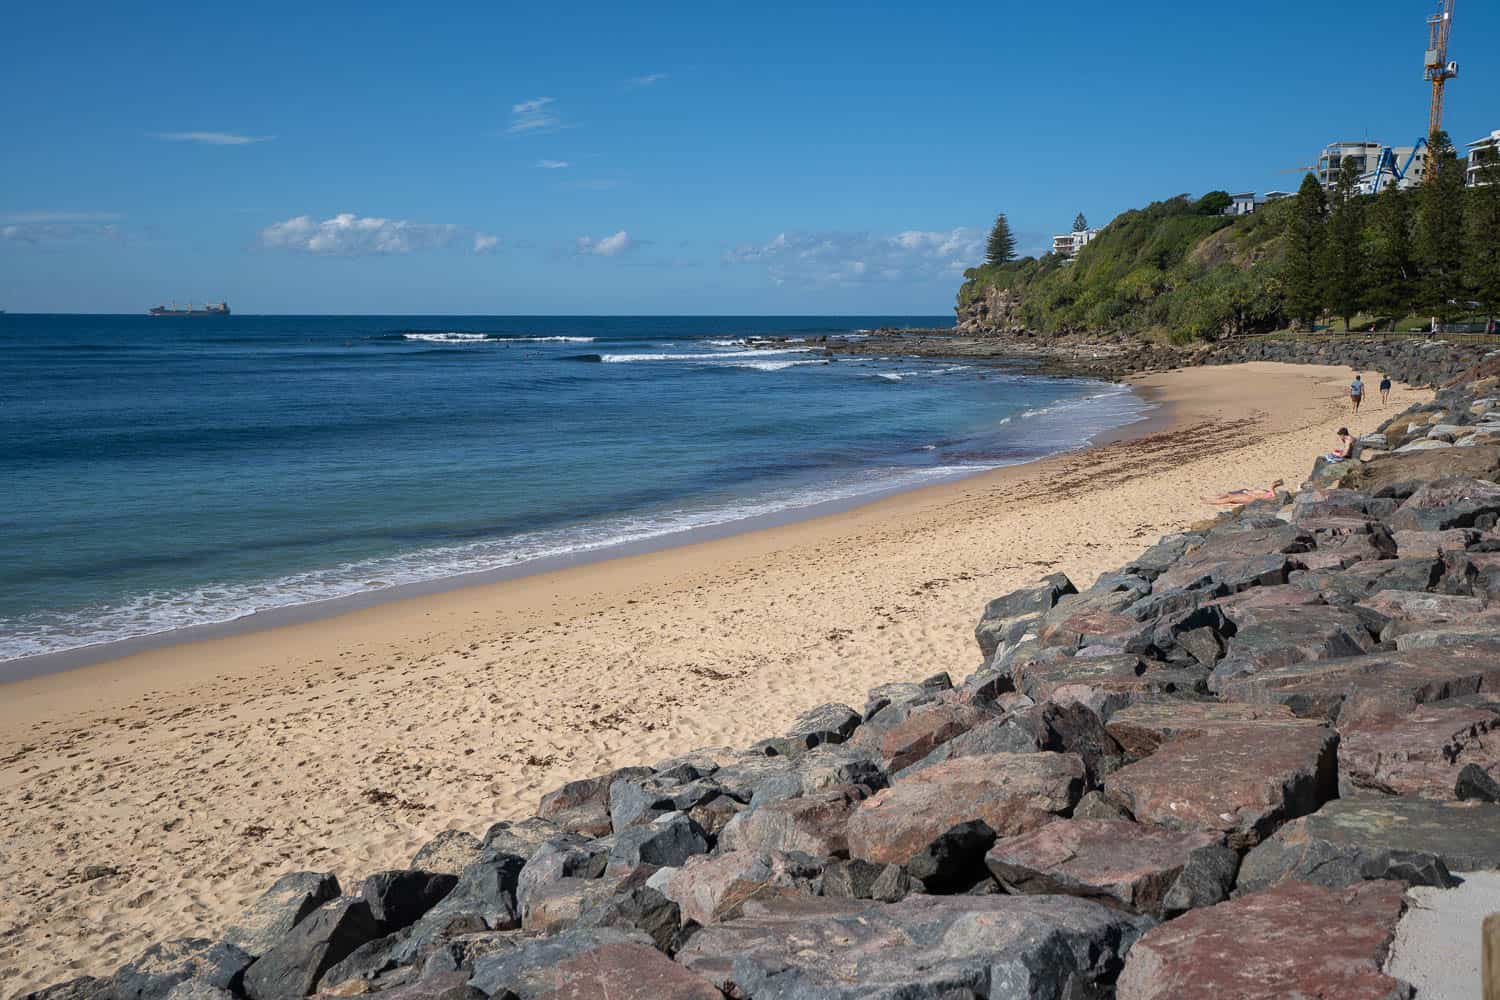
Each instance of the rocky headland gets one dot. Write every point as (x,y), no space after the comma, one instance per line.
(1214,771)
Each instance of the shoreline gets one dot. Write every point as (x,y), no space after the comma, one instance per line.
(24,668)
(197,773)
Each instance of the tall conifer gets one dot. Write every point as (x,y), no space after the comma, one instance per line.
(1002,245)
(1304,251)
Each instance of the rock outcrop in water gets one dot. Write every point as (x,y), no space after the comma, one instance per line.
(1212,772)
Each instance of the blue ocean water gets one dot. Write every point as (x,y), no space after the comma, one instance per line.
(160,473)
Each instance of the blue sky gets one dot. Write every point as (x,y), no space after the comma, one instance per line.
(653,158)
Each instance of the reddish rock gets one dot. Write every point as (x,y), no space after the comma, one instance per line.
(1143,727)
(1374,685)
(1092,680)
(925,730)
(1432,543)
(627,972)
(1118,862)
(1454,502)
(1010,792)
(1419,753)
(1424,607)
(583,806)
(814,824)
(710,889)
(1089,626)
(1276,637)
(1297,940)
(1240,781)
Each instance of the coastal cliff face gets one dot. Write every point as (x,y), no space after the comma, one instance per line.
(993,310)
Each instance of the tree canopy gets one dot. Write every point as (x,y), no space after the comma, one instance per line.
(1002,243)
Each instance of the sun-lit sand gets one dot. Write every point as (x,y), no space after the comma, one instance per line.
(193,775)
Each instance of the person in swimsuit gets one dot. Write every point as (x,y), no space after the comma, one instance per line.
(1357,392)
(1237,497)
(1345,446)
(1385,389)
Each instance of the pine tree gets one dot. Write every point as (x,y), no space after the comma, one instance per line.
(1482,229)
(1304,239)
(1440,229)
(1343,253)
(1002,245)
(1080,223)
(1388,253)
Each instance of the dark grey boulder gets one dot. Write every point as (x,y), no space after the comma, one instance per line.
(1346,586)
(521,839)
(442,986)
(1093,805)
(1007,734)
(370,961)
(851,879)
(327,936)
(450,851)
(290,898)
(1279,637)
(666,842)
(398,898)
(634,801)
(830,723)
(954,860)
(583,806)
(1454,502)
(81,988)
(1206,879)
(921,948)
(459,953)
(1005,617)
(483,900)
(1415,840)
(197,989)
(636,906)
(566,856)
(1475,783)
(822,767)
(152,974)
(531,968)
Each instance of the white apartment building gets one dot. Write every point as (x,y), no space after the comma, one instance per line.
(1067,245)
(1368,157)
(1482,153)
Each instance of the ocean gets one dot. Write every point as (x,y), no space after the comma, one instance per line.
(159,473)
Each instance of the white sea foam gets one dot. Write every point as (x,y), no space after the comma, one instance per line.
(715,356)
(485,338)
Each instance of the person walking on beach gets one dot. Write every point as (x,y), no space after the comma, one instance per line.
(1385,389)
(1357,392)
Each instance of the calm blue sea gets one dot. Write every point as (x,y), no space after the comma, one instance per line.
(160,473)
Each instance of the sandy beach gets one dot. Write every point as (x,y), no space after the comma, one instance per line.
(156,795)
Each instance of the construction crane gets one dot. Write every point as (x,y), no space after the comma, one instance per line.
(1437,68)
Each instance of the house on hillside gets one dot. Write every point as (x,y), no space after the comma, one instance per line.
(1241,204)
(1067,245)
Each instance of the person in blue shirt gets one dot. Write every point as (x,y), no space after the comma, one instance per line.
(1357,392)
(1385,389)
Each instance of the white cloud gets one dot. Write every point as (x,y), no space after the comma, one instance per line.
(212,138)
(645,81)
(533,115)
(553,164)
(606,246)
(350,235)
(51,227)
(844,258)
(80,217)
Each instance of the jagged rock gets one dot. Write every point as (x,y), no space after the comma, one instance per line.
(1475,783)
(81,988)
(1011,793)
(814,824)
(1261,946)
(1416,840)
(636,906)
(1093,805)
(924,730)
(197,989)
(1346,586)
(1451,502)
(1425,608)
(1094,619)
(449,852)
(1141,728)
(831,723)
(566,856)
(1007,734)
(899,693)
(954,859)
(1419,753)
(369,963)
(1241,782)
(1276,637)
(1430,544)
(1006,618)
(398,898)
(710,889)
(1205,880)
(443,986)
(521,839)
(1160,557)
(1317,505)
(850,879)
(153,973)
(583,806)
(1075,728)
(715,814)
(460,952)
(554,906)
(1238,559)
(322,938)
(483,900)
(637,801)
(894,884)
(1374,685)
(290,898)
(1122,863)
(667,841)
(741,779)
(822,767)
(921,947)
(535,967)
(1106,683)
(627,972)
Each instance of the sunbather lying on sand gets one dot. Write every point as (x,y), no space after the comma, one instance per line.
(1246,495)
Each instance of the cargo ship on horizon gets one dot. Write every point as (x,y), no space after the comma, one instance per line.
(209,309)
